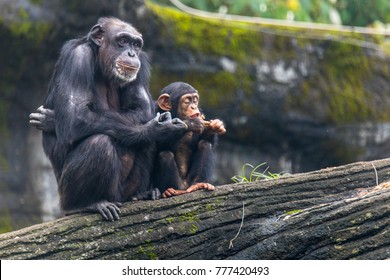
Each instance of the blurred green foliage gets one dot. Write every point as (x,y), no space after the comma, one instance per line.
(363,12)
(346,12)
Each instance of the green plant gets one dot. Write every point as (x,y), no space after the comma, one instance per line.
(255,175)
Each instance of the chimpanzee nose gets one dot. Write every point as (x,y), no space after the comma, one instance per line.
(131,53)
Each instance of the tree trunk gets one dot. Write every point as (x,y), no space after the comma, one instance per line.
(334,213)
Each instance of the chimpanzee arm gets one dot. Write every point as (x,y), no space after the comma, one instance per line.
(209,137)
(70,91)
(203,163)
(43,120)
(160,128)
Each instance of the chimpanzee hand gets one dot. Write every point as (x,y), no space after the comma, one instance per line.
(195,125)
(164,123)
(217,126)
(43,119)
(163,118)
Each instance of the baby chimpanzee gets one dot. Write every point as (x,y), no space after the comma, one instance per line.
(185,164)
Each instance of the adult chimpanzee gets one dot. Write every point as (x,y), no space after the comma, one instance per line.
(185,164)
(102,141)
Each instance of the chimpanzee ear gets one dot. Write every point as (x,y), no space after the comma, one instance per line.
(96,34)
(164,102)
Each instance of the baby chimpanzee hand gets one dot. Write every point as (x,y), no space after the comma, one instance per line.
(195,125)
(217,126)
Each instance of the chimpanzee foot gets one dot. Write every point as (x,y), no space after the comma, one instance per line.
(199,186)
(155,194)
(109,210)
(172,192)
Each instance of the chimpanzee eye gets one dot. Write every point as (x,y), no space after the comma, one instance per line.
(122,41)
(137,44)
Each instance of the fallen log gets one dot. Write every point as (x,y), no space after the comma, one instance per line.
(334,213)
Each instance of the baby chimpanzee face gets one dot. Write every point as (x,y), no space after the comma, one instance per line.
(188,106)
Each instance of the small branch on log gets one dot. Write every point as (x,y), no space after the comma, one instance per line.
(239,230)
(376,175)
(334,213)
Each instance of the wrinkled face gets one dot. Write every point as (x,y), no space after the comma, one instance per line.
(127,63)
(188,106)
(119,48)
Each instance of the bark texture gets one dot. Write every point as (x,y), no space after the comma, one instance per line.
(334,213)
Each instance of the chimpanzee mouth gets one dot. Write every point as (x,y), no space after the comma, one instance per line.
(126,71)
(195,116)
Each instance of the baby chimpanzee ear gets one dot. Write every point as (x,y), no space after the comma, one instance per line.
(164,102)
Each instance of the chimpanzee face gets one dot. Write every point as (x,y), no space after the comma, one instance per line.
(188,106)
(119,47)
(127,63)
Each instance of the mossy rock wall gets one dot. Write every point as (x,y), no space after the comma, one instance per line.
(298,99)
(257,77)
(277,89)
